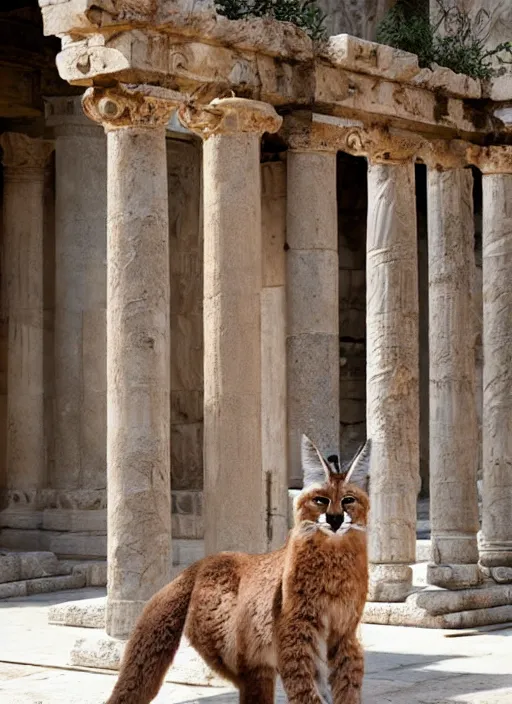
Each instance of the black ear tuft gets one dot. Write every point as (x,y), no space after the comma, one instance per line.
(334,462)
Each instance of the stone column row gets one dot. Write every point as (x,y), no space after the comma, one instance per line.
(24,161)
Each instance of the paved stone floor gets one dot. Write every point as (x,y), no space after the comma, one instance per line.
(403,665)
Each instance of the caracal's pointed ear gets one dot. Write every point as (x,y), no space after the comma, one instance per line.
(315,469)
(359,469)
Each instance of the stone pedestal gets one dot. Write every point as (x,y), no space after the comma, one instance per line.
(312,343)
(392,376)
(496,539)
(138,357)
(80,297)
(453,420)
(235,492)
(24,161)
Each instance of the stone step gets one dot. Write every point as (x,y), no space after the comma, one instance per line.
(20,566)
(42,585)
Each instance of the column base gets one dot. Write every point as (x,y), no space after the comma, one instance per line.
(389,583)
(453,576)
(100,651)
(500,575)
(432,607)
(495,553)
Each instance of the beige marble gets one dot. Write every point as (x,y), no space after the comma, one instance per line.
(392,383)
(453,419)
(235,491)
(312,305)
(138,350)
(80,420)
(24,161)
(496,543)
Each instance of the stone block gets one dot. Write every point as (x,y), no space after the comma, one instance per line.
(186,552)
(23,518)
(187,282)
(313,395)
(13,589)
(95,573)
(454,576)
(78,545)
(98,650)
(273,223)
(45,585)
(9,567)
(501,575)
(444,601)
(187,456)
(87,613)
(312,305)
(389,583)
(75,520)
(356,54)
(38,564)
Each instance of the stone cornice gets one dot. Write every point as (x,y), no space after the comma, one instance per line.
(24,155)
(229,116)
(130,106)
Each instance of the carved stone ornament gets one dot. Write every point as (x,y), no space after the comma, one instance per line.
(443,155)
(378,144)
(229,116)
(130,105)
(491,160)
(23,153)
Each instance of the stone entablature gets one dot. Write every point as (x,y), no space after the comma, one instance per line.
(205,56)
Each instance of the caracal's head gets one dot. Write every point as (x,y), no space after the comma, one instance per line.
(335,498)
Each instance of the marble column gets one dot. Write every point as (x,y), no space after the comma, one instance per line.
(392,385)
(80,297)
(496,539)
(138,357)
(453,430)
(24,161)
(274,436)
(313,364)
(235,492)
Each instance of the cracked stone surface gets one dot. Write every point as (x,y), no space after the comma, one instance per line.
(403,665)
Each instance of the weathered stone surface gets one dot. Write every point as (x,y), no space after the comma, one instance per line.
(446,81)
(454,576)
(496,543)
(88,613)
(392,376)
(453,420)
(100,651)
(24,161)
(443,601)
(312,317)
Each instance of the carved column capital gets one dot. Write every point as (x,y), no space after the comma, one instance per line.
(130,106)
(230,116)
(24,157)
(491,160)
(378,144)
(444,155)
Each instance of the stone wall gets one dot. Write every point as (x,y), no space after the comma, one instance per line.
(357,17)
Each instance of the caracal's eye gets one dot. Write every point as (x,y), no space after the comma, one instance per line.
(347,500)
(321,501)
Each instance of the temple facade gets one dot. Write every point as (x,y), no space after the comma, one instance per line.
(217,236)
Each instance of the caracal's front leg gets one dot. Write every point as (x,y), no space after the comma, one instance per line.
(257,686)
(300,663)
(302,652)
(346,665)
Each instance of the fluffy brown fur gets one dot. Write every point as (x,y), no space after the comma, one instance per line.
(294,611)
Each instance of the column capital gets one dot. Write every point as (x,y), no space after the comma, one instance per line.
(445,155)
(130,106)
(323,133)
(24,156)
(230,116)
(492,160)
